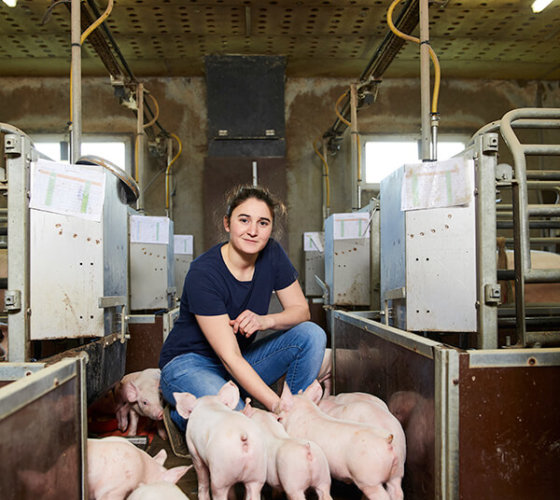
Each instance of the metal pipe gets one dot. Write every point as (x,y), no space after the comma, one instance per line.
(254,168)
(544,174)
(425,108)
(356,176)
(140,141)
(169,180)
(521,123)
(76,83)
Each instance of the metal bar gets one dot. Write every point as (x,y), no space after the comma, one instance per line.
(18,152)
(485,151)
(537,241)
(521,123)
(543,210)
(520,204)
(410,341)
(542,338)
(541,149)
(425,107)
(533,224)
(140,140)
(28,389)
(544,174)
(76,83)
(515,357)
(446,392)
(356,180)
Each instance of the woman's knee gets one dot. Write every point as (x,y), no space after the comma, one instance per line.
(314,335)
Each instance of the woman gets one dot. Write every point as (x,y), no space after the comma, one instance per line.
(225,302)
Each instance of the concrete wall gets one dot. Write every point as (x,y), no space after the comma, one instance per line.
(41,106)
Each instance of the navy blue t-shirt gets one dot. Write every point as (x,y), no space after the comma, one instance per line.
(211,290)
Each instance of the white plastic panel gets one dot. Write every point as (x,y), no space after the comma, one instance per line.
(441,269)
(66,276)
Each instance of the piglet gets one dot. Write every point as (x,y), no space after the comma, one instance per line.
(294,465)
(372,411)
(157,491)
(137,394)
(116,467)
(355,452)
(226,446)
(353,397)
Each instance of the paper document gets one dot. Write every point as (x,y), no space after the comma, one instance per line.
(183,244)
(313,242)
(147,229)
(351,226)
(437,184)
(67,189)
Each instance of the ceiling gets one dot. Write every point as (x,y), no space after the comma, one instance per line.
(492,39)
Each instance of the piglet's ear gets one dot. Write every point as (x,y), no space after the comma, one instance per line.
(229,394)
(161,457)
(130,392)
(286,399)
(184,403)
(314,392)
(249,411)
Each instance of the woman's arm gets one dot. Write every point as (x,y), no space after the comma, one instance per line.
(220,335)
(295,311)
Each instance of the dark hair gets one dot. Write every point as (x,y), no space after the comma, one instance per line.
(242,193)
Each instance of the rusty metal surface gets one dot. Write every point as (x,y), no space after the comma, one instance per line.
(405,380)
(41,447)
(497,39)
(144,345)
(509,431)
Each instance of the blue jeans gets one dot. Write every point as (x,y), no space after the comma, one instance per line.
(296,353)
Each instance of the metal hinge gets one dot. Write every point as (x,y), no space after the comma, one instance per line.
(12,300)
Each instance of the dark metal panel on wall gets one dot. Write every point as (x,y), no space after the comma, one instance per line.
(509,431)
(245,101)
(223,174)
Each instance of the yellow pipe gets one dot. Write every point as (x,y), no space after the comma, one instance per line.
(338,114)
(156,114)
(433,56)
(168,169)
(327,181)
(95,24)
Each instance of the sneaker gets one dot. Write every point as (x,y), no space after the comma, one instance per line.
(175,435)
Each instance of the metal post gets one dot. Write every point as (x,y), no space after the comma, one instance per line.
(76,83)
(140,144)
(356,177)
(485,158)
(425,108)
(325,181)
(169,178)
(17,148)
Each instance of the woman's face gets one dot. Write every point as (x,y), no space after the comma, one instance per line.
(249,226)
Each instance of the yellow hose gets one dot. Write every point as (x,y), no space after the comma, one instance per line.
(168,169)
(136,159)
(340,117)
(433,56)
(327,181)
(156,114)
(95,24)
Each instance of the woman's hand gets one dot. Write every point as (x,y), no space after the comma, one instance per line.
(248,322)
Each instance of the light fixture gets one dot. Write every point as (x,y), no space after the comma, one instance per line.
(538,5)
(10,3)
